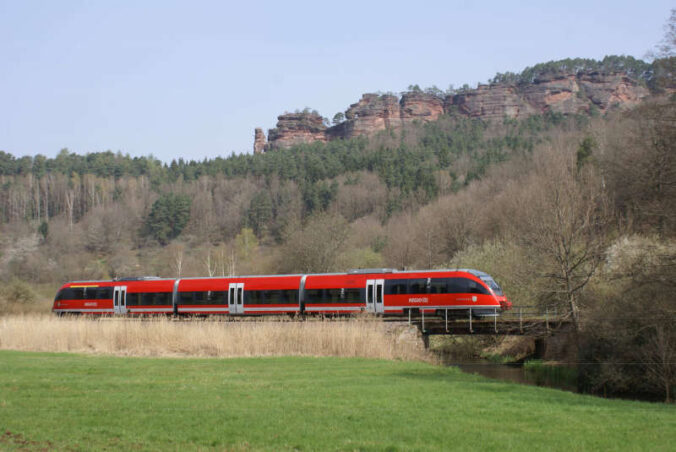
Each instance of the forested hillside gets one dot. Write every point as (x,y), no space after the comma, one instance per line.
(576,211)
(106,204)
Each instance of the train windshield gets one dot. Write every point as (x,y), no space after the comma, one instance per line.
(493,285)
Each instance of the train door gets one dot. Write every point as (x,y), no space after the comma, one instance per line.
(120,300)
(236,298)
(375,296)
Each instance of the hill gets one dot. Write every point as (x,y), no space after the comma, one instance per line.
(575,209)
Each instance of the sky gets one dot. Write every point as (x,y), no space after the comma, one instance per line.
(192,79)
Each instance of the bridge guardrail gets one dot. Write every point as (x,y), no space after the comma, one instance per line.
(526,316)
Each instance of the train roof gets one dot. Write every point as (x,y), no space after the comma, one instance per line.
(359,271)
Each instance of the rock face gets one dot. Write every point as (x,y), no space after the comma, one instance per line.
(420,106)
(371,114)
(490,102)
(259,141)
(558,94)
(374,113)
(607,91)
(566,94)
(562,93)
(296,128)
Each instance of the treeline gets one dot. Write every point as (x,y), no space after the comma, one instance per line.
(634,68)
(39,188)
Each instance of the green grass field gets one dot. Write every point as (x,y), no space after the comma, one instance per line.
(65,401)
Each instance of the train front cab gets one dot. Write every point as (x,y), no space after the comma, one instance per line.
(84,298)
(443,293)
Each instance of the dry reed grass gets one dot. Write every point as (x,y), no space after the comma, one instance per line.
(163,337)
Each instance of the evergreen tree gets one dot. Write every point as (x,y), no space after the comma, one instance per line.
(168,216)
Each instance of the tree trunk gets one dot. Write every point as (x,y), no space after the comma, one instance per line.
(667,391)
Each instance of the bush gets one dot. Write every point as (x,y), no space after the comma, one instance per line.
(16,296)
(19,292)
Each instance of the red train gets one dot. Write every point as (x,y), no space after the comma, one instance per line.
(380,291)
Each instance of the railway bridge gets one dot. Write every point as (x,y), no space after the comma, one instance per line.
(534,321)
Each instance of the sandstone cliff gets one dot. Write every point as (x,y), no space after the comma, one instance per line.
(561,93)
(296,128)
(259,141)
(490,102)
(420,106)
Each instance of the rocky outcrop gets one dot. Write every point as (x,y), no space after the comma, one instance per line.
(418,106)
(371,114)
(612,90)
(296,128)
(259,141)
(375,112)
(566,94)
(490,102)
(557,93)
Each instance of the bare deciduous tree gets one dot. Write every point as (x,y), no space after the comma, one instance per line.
(177,252)
(210,263)
(316,245)
(563,218)
(640,163)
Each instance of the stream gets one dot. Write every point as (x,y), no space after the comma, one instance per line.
(514,373)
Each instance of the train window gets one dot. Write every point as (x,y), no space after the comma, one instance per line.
(163,298)
(465,285)
(457,285)
(253,296)
(395,287)
(204,297)
(134,299)
(314,296)
(493,285)
(417,286)
(475,287)
(104,293)
(341,295)
(333,296)
(199,298)
(71,293)
(217,297)
(353,296)
(439,285)
(271,296)
(186,297)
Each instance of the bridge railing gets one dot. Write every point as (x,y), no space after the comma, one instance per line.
(526,316)
(532,312)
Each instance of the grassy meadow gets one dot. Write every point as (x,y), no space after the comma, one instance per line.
(84,402)
(279,385)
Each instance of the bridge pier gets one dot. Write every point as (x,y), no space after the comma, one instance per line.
(540,347)
(426,340)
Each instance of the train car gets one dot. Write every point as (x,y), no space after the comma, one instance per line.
(252,295)
(379,291)
(338,293)
(148,295)
(85,297)
(434,292)
(145,296)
